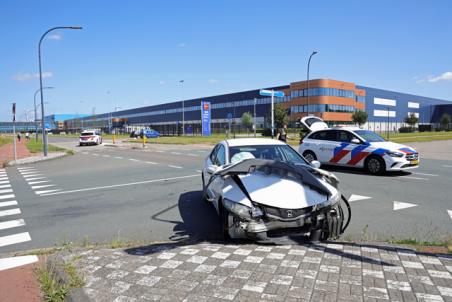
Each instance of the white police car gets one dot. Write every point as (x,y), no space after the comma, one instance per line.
(354,147)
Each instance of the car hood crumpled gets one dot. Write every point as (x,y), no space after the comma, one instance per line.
(274,191)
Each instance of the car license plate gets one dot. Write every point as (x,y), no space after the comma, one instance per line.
(414,162)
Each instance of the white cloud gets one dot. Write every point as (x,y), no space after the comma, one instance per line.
(22,77)
(54,37)
(182,44)
(446,76)
(213,81)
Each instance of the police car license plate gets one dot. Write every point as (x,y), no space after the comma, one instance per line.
(414,162)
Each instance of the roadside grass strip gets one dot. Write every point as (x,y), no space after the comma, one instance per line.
(12,262)
(14,239)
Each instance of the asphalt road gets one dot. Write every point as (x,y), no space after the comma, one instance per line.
(102,194)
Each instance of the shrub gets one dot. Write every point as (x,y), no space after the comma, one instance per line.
(406,129)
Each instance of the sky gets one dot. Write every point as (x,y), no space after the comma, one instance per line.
(135,53)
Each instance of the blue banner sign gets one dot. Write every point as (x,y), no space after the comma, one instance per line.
(205,118)
(265,92)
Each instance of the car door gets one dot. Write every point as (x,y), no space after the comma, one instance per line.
(324,143)
(354,149)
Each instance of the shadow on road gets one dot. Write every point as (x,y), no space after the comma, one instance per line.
(362,172)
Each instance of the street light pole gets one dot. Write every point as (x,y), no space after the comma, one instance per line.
(183,108)
(44,134)
(255,117)
(307,90)
(387,125)
(36,111)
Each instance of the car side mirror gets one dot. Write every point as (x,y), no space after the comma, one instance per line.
(212,169)
(355,141)
(315,164)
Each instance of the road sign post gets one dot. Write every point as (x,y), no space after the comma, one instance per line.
(14,132)
(272,93)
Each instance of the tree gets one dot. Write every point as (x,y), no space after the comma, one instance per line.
(281,116)
(359,117)
(411,120)
(247,120)
(445,120)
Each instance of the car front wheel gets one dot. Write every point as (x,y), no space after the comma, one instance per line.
(309,156)
(225,218)
(375,165)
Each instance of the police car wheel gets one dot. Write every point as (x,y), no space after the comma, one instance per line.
(309,156)
(375,165)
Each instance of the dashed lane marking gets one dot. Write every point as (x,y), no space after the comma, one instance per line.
(133,159)
(450,213)
(159,151)
(12,224)
(47,191)
(8,203)
(13,239)
(7,196)
(41,187)
(193,155)
(447,166)
(124,185)
(425,174)
(118,157)
(105,155)
(10,212)
(95,154)
(6,191)
(151,163)
(12,262)
(398,205)
(36,178)
(411,177)
(175,167)
(37,182)
(176,153)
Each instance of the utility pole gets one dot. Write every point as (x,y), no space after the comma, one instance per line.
(307,83)
(254,117)
(273,113)
(183,107)
(14,131)
(387,126)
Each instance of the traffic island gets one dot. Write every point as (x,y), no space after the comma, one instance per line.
(210,271)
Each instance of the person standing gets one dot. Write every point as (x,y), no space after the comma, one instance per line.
(18,136)
(282,134)
(27,136)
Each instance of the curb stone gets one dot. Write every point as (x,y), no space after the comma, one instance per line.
(35,159)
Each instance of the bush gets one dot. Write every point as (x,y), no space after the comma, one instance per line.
(424,128)
(406,129)
(267,132)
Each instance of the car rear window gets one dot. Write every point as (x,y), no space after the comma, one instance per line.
(87,133)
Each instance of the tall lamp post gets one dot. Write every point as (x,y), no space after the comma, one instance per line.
(183,107)
(36,110)
(307,90)
(44,134)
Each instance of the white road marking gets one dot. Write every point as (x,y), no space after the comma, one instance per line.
(4,182)
(191,154)
(37,182)
(151,163)
(20,168)
(355,197)
(27,177)
(159,151)
(3,178)
(5,186)
(11,224)
(86,153)
(398,205)
(411,177)
(36,178)
(425,174)
(199,171)
(7,203)
(118,157)
(6,191)
(105,155)
(95,154)
(176,167)
(133,159)
(13,239)
(10,212)
(447,166)
(7,196)
(26,173)
(40,187)
(450,213)
(47,191)
(175,153)
(12,262)
(123,185)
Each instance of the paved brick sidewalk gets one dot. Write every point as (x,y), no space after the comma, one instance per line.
(247,272)
(7,151)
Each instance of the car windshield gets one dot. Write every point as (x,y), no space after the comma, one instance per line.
(87,133)
(369,136)
(282,153)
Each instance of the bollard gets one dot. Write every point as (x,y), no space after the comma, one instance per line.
(144,141)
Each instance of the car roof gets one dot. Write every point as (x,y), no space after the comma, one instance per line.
(349,128)
(237,142)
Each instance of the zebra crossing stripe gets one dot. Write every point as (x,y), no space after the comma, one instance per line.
(6,191)
(12,262)
(7,196)
(13,239)
(10,212)
(12,224)
(8,203)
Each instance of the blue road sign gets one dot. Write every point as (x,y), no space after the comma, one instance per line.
(205,118)
(266,92)
(230,117)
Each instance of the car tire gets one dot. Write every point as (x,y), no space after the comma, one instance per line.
(375,165)
(224,219)
(204,197)
(309,156)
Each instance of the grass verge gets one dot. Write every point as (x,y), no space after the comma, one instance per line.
(36,146)
(5,140)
